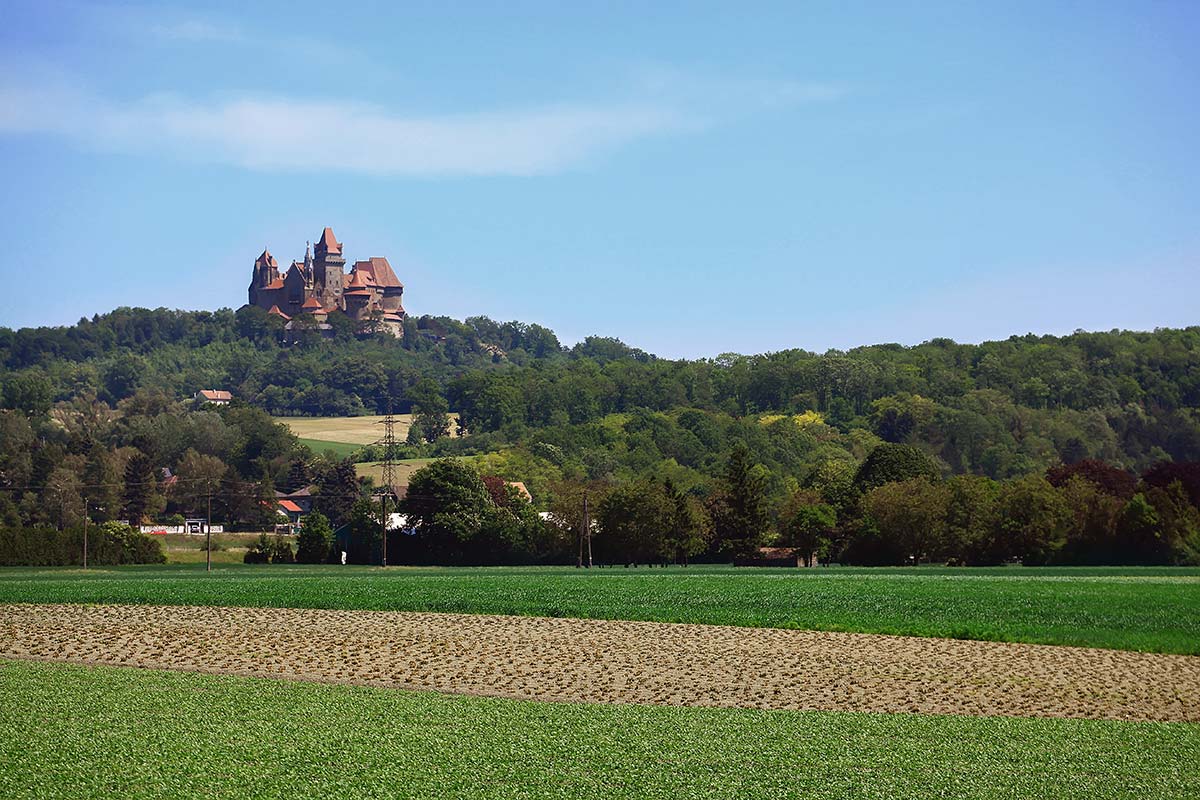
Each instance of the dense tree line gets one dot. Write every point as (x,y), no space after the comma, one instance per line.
(96,418)
(894,508)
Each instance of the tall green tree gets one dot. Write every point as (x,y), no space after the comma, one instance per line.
(141,496)
(430,410)
(633,520)
(685,526)
(739,510)
(315,540)
(446,503)
(807,524)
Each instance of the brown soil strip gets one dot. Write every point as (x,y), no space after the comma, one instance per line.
(616,662)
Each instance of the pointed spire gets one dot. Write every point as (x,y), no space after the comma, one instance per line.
(329,243)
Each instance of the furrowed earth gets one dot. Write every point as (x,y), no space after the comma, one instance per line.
(607,661)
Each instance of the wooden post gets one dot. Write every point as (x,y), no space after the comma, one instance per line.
(587,529)
(208,536)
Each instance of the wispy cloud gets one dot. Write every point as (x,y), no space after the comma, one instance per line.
(297,135)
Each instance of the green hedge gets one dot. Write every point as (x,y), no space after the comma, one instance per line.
(108,543)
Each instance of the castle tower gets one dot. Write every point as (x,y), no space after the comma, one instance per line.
(328,270)
(265,283)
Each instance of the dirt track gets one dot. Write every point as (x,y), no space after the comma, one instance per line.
(616,662)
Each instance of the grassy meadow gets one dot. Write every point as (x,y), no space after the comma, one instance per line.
(185,548)
(320,431)
(405,467)
(1154,609)
(76,732)
(339,449)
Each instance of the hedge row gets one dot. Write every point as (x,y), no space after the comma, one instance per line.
(108,543)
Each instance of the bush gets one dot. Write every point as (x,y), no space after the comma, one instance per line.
(275,550)
(315,540)
(109,544)
(281,551)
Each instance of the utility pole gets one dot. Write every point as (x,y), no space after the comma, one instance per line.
(85,527)
(587,529)
(582,523)
(208,535)
(389,470)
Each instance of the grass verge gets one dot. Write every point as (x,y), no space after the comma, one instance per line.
(1148,609)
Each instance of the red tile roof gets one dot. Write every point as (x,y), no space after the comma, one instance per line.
(358,293)
(275,310)
(275,284)
(215,394)
(288,505)
(329,243)
(312,302)
(379,272)
(266,259)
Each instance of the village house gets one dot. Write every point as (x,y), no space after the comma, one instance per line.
(218,397)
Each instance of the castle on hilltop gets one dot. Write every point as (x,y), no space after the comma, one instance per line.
(318,287)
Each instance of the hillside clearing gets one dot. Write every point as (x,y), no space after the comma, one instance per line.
(350,430)
(404,469)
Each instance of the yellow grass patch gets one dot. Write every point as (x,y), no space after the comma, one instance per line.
(351,430)
(404,470)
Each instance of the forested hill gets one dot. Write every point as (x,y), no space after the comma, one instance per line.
(600,408)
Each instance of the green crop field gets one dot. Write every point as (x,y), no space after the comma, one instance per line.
(1149,609)
(339,449)
(75,732)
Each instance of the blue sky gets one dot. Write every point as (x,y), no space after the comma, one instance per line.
(694,178)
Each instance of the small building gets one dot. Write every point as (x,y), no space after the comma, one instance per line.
(302,497)
(218,397)
(775,557)
(292,512)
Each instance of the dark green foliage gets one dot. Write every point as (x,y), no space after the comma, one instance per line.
(140,487)
(894,462)
(315,541)
(430,411)
(633,520)
(270,549)
(337,491)
(1106,404)
(457,518)
(446,503)
(364,533)
(807,524)
(108,544)
(740,517)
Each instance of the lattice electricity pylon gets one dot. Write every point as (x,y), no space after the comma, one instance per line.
(389,449)
(389,472)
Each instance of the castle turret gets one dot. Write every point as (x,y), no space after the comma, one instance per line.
(265,282)
(327,269)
